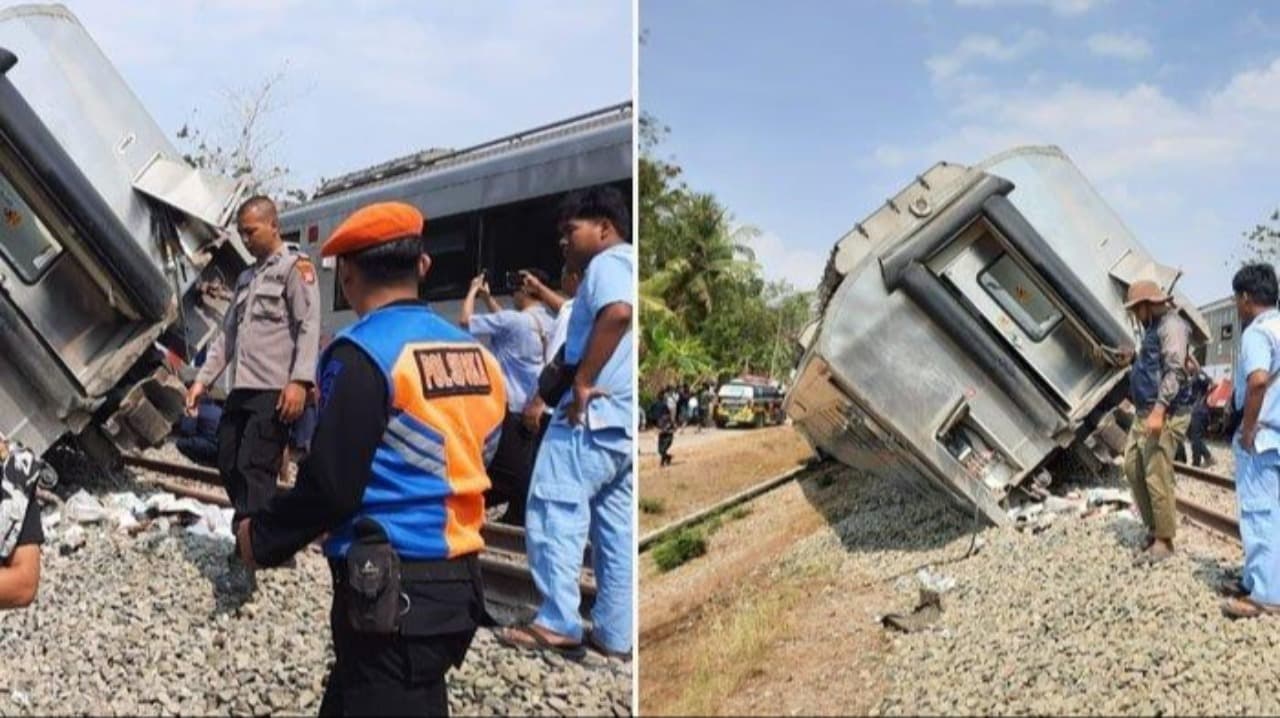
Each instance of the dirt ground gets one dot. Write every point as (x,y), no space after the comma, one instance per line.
(710,466)
(728,633)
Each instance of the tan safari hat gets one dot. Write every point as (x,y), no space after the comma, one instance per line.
(1144,290)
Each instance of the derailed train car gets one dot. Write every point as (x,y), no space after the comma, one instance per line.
(973,327)
(111,246)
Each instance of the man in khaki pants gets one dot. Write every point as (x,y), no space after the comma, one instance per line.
(1161,394)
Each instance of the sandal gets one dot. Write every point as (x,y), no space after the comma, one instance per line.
(598,647)
(1245,607)
(526,636)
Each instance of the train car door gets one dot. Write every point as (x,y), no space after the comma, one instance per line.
(998,285)
(57,298)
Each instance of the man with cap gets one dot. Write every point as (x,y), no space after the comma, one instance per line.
(411,409)
(1256,445)
(1161,395)
(269,341)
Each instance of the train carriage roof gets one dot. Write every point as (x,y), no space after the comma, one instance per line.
(580,151)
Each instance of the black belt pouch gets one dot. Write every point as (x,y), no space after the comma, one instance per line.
(373,580)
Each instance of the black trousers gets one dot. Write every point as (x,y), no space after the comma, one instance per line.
(251,441)
(511,468)
(402,674)
(1195,432)
(664,446)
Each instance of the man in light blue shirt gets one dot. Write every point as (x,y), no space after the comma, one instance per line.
(518,341)
(582,480)
(1256,445)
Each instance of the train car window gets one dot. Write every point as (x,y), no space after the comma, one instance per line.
(522,235)
(452,243)
(1226,331)
(1014,291)
(340,303)
(26,243)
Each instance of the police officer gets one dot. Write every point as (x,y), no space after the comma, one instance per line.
(269,340)
(1160,392)
(411,409)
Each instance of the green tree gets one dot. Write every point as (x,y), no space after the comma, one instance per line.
(705,309)
(1262,243)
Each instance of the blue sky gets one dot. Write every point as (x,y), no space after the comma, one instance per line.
(367,81)
(804,116)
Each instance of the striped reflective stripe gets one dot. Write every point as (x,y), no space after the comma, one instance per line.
(428,464)
(418,447)
(426,441)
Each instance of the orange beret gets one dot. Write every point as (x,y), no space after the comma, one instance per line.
(372,225)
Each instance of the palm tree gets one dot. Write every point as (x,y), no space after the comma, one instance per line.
(703,252)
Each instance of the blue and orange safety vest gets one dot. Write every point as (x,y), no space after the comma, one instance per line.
(447,401)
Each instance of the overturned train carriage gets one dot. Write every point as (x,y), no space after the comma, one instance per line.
(110,244)
(972,327)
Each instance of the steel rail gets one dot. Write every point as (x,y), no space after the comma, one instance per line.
(1214,521)
(504,563)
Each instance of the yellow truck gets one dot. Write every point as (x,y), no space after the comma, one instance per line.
(756,404)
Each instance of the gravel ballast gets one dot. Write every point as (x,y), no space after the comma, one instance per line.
(159,623)
(1054,620)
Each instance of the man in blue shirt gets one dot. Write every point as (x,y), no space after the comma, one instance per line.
(518,340)
(582,480)
(1256,445)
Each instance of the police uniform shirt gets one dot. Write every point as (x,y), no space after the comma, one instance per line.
(271,333)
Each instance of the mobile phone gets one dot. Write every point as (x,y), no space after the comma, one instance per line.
(514,280)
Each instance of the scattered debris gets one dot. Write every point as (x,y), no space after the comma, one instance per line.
(926,613)
(71,540)
(83,508)
(1118,498)
(934,582)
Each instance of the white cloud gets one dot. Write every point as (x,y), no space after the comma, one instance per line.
(982,47)
(1121,45)
(374,79)
(779,260)
(1163,162)
(1060,7)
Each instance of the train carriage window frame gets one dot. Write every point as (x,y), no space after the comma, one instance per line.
(19,219)
(997,280)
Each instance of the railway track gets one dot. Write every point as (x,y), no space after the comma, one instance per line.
(504,564)
(1208,518)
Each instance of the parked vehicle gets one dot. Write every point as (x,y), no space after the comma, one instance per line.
(751,403)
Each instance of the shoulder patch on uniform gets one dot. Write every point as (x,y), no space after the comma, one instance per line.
(328,376)
(306,269)
(452,371)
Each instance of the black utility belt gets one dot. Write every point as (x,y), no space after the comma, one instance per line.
(374,580)
(463,568)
